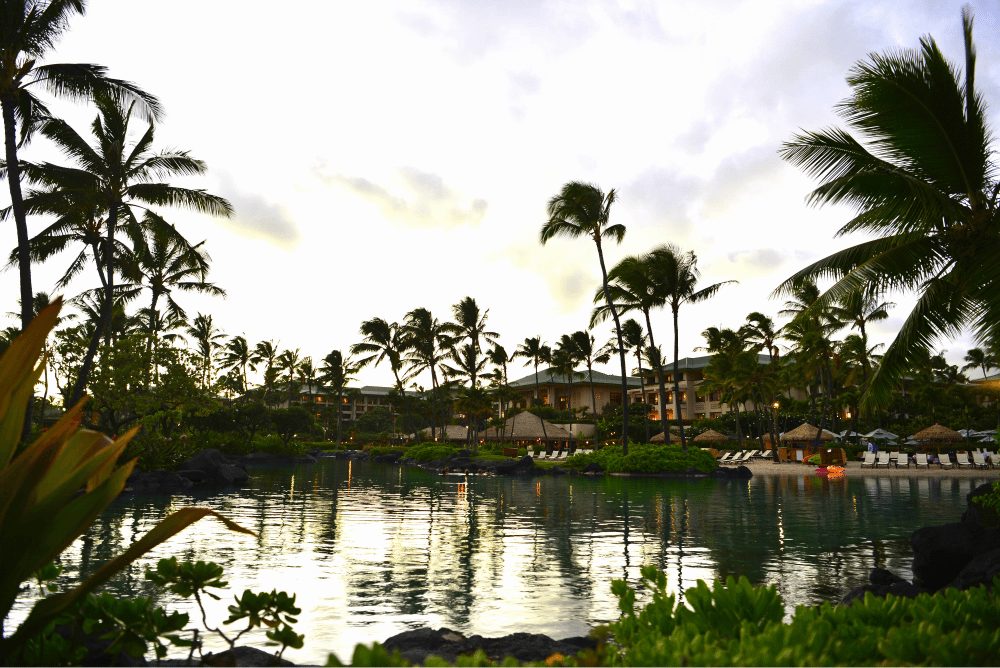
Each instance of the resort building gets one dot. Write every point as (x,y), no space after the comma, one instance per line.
(356,400)
(557,390)
(695,403)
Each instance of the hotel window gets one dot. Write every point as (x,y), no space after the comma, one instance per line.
(651,398)
(699,397)
(598,398)
(684,396)
(670,396)
(715,396)
(616,398)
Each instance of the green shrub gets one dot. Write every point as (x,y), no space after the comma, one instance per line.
(645,458)
(430,452)
(383,450)
(815,460)
(275,445)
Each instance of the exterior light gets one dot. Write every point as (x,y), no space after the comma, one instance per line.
(776,405)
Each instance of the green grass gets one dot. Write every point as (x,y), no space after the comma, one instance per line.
(645,458)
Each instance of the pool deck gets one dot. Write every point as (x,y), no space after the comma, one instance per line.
(854,469)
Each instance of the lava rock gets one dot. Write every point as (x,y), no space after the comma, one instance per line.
(882,583)
(731,473)
(218,469)
(269,458)
(415,646)
(244,656)
(940,553)
(980,570)
(976,514)
(882,577)
(388,457)
(157,482)
(523,466)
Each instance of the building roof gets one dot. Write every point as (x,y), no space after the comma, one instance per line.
(528,426)
(550,377)
(699,362)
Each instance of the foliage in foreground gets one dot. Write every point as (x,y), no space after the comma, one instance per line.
(645,458)
(737,624)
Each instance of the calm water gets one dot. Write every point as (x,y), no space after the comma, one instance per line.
(372,550)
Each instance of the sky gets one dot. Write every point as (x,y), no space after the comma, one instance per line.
(387,156)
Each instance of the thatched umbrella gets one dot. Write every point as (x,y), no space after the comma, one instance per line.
(526,426)
(807,432)
(710,436)
(452,432)
(937,434)
(674,431)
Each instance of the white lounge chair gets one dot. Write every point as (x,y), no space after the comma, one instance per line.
(562,454)
(869,460)
(726,456)
(920,459)
(944,461)
(768,455)
(903,460)
(979,461)
(882,460)
(894,456)
(962,459)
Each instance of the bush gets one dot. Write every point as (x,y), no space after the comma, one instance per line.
(815,460)
(275,445)
(383,450)
(645,458)
(430,452)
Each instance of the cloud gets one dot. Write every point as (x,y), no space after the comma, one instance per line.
(255,216)
(416,198)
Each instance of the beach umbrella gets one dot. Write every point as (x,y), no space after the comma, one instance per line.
(882,434)
(674,431)
(937,434)
(710,436)
(526,426)
(807,432)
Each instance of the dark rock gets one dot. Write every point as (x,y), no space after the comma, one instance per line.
(415,646)
(217,467)
(731,473)
(980,570)
(194,475)
(882,583)
(941,552)
(593,468)
(388,457)
(157,482)
(977,515)
(882,577)
(523,466)
(244,656)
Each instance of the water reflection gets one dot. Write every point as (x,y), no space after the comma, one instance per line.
(374,549)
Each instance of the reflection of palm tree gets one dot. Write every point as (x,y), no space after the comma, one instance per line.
(923,181)
(581,209)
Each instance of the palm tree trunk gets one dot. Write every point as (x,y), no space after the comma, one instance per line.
(642,388)
(339,409)
(621,344)
(21,225)
(677,382)
(660,383)
(544,433)
(593,396)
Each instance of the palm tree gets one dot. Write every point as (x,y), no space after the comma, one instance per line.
(582,209)
(207,339)
(238,358)
(383,341)
(923,181)
(532,348)
(288,362)
(307,376)
(163,261)
(118,178)
(266,353)
(471,324)
(631,287)
(858,309)
(635,340)
(563,362)
(978,358)
(499,358)
(583,345)
(28,30)
(674,275)
(337,373)
(809,331)
(428,342)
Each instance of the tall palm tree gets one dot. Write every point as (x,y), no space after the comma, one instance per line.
(163,261)
(120,177)
(428,342)
(28,30)
(859,308)
(923,182)
(207,340)
(471,324)
(635,340)
(674,275)
(565,357)
(977,358)
(582,209)
(266,353)
(810,330)
(583,344)
(288,362)
(383,341)
(499,358)
(238,357)
(631,287)
(337,373)
(307,375)
(533,349)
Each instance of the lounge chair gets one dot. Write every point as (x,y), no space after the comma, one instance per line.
(561,454)
(979,461)
(903,460)
(726,456)
(882,460)
(921,460)
(869,460)
(962,459)
(894,456)
(945,461)
(768,455)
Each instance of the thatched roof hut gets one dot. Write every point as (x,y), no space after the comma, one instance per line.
(526,426)
(807,433)
(937,432)
(674,432)
(710,436)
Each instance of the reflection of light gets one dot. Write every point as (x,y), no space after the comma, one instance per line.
(291,488)
(538,488)
(350,464)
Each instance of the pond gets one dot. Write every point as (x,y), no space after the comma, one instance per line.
(374,549)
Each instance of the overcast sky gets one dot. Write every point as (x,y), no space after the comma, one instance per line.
(385,156)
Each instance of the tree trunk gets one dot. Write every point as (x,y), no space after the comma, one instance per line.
(21,226)
(660,383)
(621,344)
(642,388)
(544,433)
(677,382)
(593,396)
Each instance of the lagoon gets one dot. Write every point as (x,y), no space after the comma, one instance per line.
(375,549)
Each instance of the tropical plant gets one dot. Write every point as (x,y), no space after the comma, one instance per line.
(533,349)
(207,340)
(471,324)
(582,209)
(977,358)
(237,358)
(923,181)
(336,373)
(635,340)
(53,489)
(427,342)
(383,341)
(288,363)
(674,276)
(266,353)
